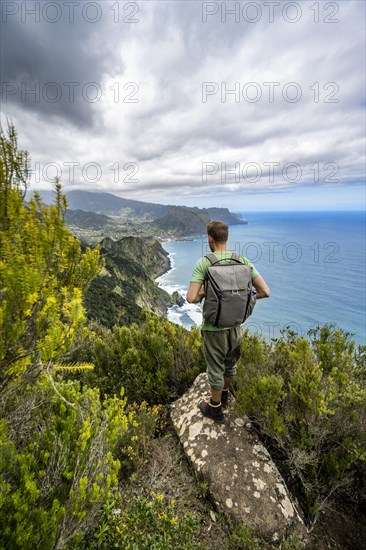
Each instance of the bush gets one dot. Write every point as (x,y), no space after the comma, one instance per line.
(155,362)
(59,442)
(134,444)
(42,272)
(59,461)
(143,524)
(309,397)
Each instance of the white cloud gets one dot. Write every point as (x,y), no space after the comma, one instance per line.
(170,132)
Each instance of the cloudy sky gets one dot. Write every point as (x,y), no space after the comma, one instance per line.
(249,105)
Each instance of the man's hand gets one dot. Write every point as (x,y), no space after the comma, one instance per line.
(261,287)
(196,292)
(201,294)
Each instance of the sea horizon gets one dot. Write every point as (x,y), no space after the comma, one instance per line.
(313,261)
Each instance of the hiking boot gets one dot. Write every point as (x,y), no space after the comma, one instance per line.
(225,398)
(212,411)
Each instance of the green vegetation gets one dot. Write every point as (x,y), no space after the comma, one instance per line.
(155,361)
(143,524)
(58,464)
(126,286)
(43,273)
(307,397)
(81,402)
(63,445)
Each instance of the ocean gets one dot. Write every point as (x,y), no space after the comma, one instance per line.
(313,262)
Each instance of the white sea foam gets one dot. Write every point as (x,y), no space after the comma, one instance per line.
(187,315)
(160,281)
(174,316)
(196,316)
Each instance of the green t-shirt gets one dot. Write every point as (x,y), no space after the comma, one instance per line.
(200,271)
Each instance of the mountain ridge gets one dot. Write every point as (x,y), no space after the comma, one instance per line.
(107,203)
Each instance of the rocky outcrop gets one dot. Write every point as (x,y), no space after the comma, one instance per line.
(224,215)
(126,286)
(182,221)
(243,480)
(146,252)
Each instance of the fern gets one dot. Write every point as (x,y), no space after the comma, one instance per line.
(73,367)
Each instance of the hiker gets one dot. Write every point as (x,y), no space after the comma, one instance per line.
(221,345)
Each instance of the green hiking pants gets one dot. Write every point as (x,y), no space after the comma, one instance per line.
(221,350)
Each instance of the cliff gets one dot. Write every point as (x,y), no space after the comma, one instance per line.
(224,215)
(182,221)
(126,285)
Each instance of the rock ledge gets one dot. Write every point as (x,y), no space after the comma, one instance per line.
(242,478)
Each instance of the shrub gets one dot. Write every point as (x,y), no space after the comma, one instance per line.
(144,524)
(58,440)
(59,461)
(133,445)
(155,362)
(309,397)
(42,272)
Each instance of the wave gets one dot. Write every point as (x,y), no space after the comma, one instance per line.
(160,280)
(187,315)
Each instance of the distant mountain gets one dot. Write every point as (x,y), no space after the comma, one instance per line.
(107,203)
(183,221)
(86,220)
(224,215)
(94,211)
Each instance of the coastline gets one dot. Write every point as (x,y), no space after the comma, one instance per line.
(169,265)
(181,313)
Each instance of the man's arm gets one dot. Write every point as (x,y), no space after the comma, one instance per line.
(261,287)
(195,293)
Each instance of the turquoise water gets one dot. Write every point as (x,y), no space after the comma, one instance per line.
(313,262)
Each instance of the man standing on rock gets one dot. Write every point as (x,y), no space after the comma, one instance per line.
(221,346)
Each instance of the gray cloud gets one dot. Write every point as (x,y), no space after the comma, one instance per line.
(57,60)
(170,131)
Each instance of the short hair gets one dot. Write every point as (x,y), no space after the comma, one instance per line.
(219,231)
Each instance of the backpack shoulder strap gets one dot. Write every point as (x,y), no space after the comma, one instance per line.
(236,257)
(212,258)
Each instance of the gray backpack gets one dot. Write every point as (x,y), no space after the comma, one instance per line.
(229,299)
